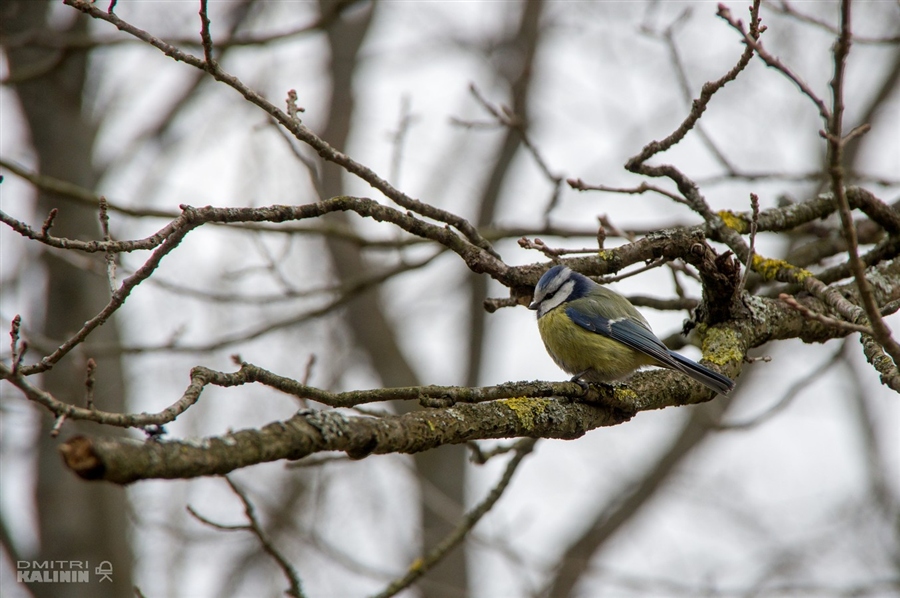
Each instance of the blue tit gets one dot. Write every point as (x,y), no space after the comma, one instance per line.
(598,335)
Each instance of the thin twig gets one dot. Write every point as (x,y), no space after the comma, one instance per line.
(307,374)
(205,36)
(812,315)
(168,238)
(507,118)
(668,36)
(293,110)
(580,185)
(551,252)
(123,420)
(753,43)
(17,349)
(687,188)
(176,232)
(349,291)
(219,526)
(836,142)
(350,286)
(609,227)
(421,565)
(676,304)
(67,41)
(649,266)
(698,106)
(754,225)
(296,588)
(57,426)
(89,383)
(398,138)
(492,304)
(110,255)
(300,131)
(48,222)
(481,456)
(75,193)
(786,9)
(253,526)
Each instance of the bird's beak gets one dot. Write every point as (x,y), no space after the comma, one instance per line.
(534,305)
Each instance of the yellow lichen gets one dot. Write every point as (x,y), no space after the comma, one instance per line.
(734,221)
(625,396)
(722,346)
(769,269)
(526,409)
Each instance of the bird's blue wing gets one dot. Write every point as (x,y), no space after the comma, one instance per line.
(628,331)
(631,330)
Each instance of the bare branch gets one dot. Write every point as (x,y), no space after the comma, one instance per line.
(810,314)
(836,141)
(89,381)
(76,193)
(637,163)
(644,187)
(255,527)
(110,256)
(206,37)
(299,130)
(16,347)
(296,589)
(786,8)
(123,420)
(754,225)
(421,565)
(752,42)
(123,461)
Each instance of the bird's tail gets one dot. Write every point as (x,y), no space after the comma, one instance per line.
(714,380)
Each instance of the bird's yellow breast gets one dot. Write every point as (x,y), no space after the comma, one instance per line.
(577,350)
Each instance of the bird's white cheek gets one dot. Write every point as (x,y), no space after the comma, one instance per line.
(557,299)
(547,305)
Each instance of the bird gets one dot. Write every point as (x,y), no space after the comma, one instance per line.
(599,336)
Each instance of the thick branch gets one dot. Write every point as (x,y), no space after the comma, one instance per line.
(123,461)
(527,413)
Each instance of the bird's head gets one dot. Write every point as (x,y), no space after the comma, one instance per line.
(559,285)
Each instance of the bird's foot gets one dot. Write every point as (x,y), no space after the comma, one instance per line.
(585,387)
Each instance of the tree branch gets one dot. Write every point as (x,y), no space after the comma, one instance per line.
(296,128)
(421,565)
(527,413)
